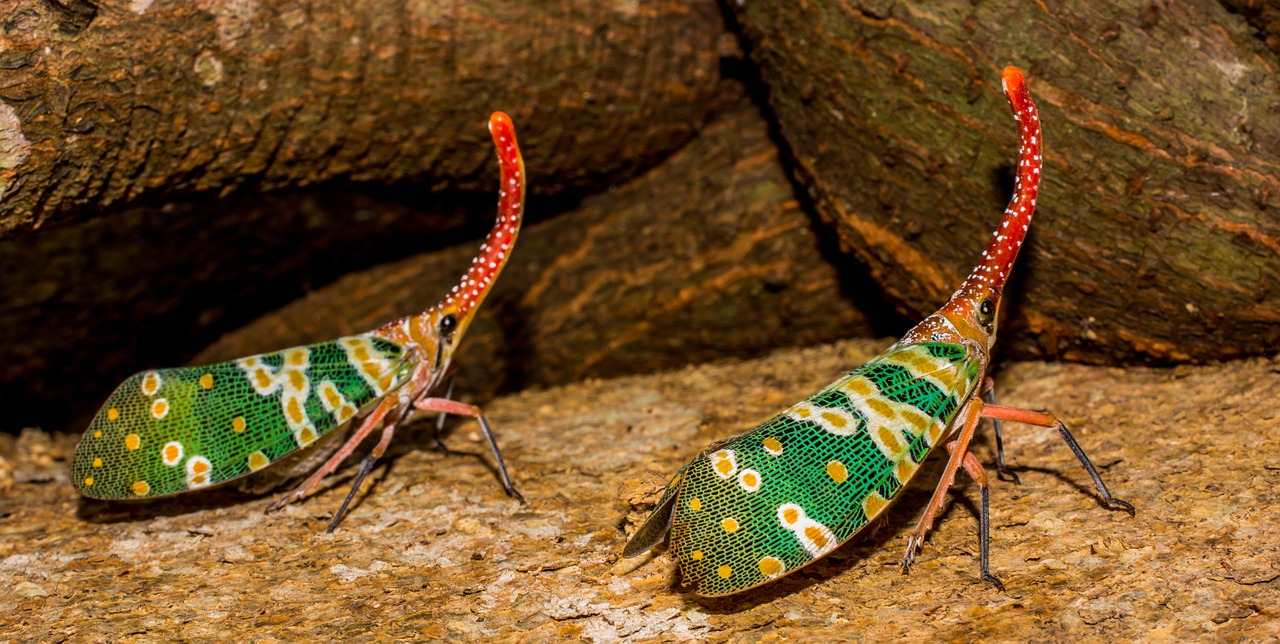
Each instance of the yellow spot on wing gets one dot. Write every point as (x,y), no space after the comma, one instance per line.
(725,572)
(258,460)
(881,407)
(206,381)
(160,408)
(695,504)
(873,504)
(113,414)
(88,481)
(294,409)
(237,424)
(697,555)
(837,471)
(141,488)
(729,524)
(97,433)
(773,446)
(97,461)
(890,442)
(770,567)
(132,441)
(815,535)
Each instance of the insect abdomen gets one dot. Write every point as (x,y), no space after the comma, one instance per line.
(171,430)
(798,485)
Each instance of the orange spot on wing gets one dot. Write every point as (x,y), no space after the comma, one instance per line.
(201,467)
(725,572)
(171,453)
(724,466)
(890,441)
(258,460)
(262,377)
(836,420)
(132,441)
(237,424)
(790,515)
(113,414)
(881,407)
(729,524)
(206,381)
(837,471)
(297,380)
(695,504)
(815,535)
(141,488)
(873,504)
(773,445)
(294,409)
(697,555)
(770,566)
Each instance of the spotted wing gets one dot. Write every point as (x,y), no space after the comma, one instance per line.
(789,491)
(171,430)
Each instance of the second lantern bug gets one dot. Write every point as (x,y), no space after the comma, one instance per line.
(769,502)
(168,431)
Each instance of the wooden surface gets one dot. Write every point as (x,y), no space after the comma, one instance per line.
(1157,233)
(435,550)
(104,104)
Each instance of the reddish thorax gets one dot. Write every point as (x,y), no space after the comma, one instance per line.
(962,314)
(421,331)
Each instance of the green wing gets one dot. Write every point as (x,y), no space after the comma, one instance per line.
(789,491)
(171,430)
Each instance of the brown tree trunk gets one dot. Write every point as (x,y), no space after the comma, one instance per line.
(706,257)
(106,104)
(1158,228)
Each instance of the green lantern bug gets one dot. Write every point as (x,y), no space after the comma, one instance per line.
(768,502)
(168,431)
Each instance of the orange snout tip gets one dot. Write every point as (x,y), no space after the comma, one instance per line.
(499,120)
(1011,79)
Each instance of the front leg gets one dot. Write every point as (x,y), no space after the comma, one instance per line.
(1045,419)
(969,416)
(447,406)
(373,420)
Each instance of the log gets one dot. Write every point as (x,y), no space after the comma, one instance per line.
(705,257)
(434,549)
(1157,235)
(106,105)
(84,305)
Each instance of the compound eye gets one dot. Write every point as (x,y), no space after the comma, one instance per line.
(448,324)
(986,310)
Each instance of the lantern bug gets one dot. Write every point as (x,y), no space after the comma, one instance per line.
(168,431)
(766,503)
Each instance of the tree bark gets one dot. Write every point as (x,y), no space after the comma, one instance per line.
(103,105)
(1157,236)
(706,257)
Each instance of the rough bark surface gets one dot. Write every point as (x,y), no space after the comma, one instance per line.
(705,257)
(435,550)
(85,305)
(1157,235)
(102,105)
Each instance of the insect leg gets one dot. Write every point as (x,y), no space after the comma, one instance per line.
(366,466)
(1002,472)
(435,434)
(969,415)
(462,409)
(312,482)
(1045,419)
(979,476)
